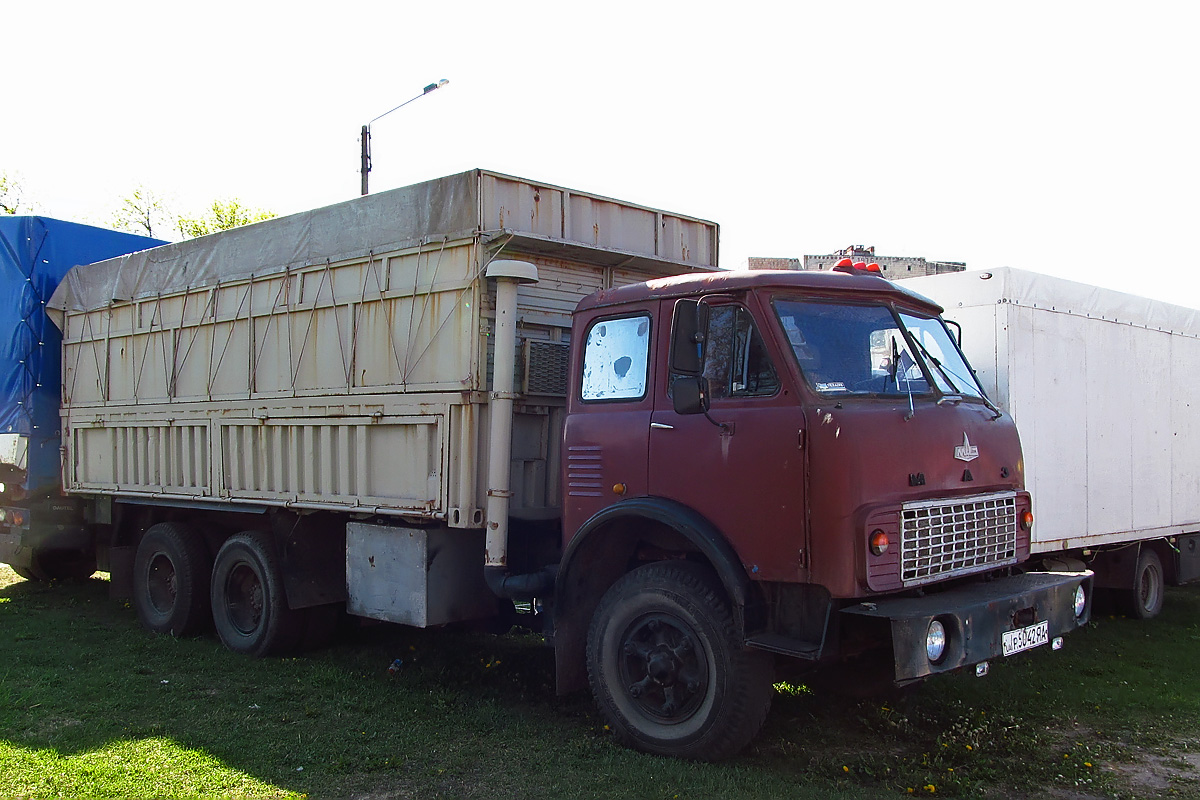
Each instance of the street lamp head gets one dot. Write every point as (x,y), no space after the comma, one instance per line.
(365,167)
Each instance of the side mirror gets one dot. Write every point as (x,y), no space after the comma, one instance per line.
(689,335)
(957,331)
(689,394)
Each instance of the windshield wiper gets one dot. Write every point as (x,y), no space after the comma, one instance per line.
(949,376)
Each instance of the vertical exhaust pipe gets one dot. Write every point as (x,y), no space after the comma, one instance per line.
(509,275)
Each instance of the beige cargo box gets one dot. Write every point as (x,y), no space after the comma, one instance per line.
(339,358)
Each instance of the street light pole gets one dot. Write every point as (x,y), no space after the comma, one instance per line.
(365,168)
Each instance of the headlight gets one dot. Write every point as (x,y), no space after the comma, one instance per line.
(935,641)
(1080,601)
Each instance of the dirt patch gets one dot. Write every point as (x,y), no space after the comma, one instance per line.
(1153,775)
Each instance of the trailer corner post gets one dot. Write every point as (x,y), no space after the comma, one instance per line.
(509,275)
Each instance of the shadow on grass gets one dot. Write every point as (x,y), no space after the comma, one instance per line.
(466,715)
(472,715)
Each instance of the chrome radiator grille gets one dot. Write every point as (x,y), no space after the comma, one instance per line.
(941,539)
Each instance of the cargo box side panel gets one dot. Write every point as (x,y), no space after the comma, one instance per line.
(396,322)
(168,458)
(1052,410)
(1147,385)
(394,463)
(1185,432)
(1108,382)
(550,212)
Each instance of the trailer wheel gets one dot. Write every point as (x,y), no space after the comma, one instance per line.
(1146,595)
(249,607)
(667,669)
(170,581)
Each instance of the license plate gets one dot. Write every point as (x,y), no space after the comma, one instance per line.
(1026,638)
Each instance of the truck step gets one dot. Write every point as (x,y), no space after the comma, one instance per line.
(785,645)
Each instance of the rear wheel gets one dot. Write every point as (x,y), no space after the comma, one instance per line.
(1146,595)
(249,606)
(668,671)
(170,581)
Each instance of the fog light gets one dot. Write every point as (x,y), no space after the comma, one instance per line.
(1057,644)
(981,669)
(935,641)
(1080,601)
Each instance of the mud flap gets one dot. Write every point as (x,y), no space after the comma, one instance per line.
(976,618)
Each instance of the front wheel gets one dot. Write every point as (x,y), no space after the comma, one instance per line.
(249,606)
(667,670)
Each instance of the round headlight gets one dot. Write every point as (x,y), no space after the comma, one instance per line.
(1080,601)
(935,641)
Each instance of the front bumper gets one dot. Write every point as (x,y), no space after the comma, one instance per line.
(976,616)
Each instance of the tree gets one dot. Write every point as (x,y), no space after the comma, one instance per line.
(221,216)
(143,212)
(11,195)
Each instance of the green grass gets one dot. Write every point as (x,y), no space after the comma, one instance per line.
(92,706)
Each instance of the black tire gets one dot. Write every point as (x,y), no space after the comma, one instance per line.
(249,605)
(1146,594)
(667,669)
(170,581)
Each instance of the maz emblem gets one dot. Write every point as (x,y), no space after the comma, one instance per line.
(966,451)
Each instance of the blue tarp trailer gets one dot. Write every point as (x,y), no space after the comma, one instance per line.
(35,254)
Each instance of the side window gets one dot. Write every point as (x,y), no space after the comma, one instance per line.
(616,358)
(736,362)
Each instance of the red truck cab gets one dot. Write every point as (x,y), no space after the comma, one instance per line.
(762,464)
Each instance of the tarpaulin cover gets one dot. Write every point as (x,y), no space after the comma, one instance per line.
(446,207)
(35,254)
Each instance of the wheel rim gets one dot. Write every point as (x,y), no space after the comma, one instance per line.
(664,673)
(1148,588)
(244,599)
(162,584)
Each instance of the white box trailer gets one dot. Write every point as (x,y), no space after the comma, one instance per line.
(1105,389)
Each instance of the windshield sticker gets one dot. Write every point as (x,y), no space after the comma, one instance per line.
(834,386)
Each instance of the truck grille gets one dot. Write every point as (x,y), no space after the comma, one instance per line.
(940,539)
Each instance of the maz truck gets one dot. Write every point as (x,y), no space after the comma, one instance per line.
(423,405)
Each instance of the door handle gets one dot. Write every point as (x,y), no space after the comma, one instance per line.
(662,426)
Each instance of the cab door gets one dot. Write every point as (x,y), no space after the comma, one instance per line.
(605,440)
(742,466)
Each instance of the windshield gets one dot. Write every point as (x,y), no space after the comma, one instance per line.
(950,372)
(862,349)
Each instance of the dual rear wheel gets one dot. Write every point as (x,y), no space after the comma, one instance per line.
(180,590)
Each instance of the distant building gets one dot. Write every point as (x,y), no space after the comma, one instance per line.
(894,267)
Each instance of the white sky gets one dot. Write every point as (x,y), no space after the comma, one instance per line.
(1059,137)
